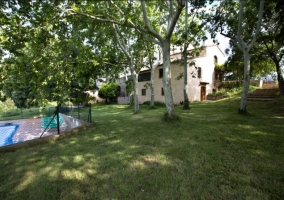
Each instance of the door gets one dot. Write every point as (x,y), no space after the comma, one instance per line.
(203,93)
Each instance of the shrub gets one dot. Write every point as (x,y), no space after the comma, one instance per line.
(220,94)
(230,84)
(10,114)
(109,91)
(156,103)
(8,104)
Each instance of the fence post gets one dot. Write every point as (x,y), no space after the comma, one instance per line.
(78,111)
(57,119)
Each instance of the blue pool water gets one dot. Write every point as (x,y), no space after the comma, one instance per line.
(7,131)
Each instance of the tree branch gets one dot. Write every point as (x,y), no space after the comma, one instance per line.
(173,20)
(123,48)
(152,40)
(99,19)
(226,35)
(260,14)
(241,44)
(242,48)
(146,22)
(170,9)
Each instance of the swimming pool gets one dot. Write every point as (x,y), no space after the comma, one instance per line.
(7,131)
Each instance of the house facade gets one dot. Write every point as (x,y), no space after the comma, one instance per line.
(202,78)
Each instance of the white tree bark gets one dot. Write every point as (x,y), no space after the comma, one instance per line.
(164,42)
(245,48)
(152,86)
(152,71)
(167,80)
(135,89)
(131,65)
(185,93)
(246,82)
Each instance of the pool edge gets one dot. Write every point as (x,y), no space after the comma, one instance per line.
(37,141)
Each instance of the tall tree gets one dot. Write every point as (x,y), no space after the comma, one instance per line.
(261,64)
(270,41)
(130,45)
(165,41)
(246,48)
(191,31)
(239,30)
(59,19)
(152,65)
(55,53)
(154,15)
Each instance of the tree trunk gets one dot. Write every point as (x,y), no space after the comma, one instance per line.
(135,89)
(167,80)
(152,97)
(245,48)
(279,78)
(246,82)
(185,94)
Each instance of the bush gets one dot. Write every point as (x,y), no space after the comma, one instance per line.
(109,91)
(156,103)
(221,94)
(8,104)
(10,114)
(216,96)
(230,84)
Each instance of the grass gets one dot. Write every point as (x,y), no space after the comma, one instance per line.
(211,153)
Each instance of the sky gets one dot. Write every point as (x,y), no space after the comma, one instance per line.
(223,41)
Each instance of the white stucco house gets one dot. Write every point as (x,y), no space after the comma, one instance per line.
(198,87)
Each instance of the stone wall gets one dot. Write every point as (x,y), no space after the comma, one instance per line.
(257,83)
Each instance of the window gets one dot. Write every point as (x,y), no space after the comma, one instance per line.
(161,73)
(144,77)
(143,92)
(199,72)
(162,91)
(215,59)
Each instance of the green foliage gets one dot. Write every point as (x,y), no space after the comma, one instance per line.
(129,85)
(77,92)
(260,64)
(230,84)
(147,85)
(219,66)
(10,114)
(179,77)
(108,91)
(225,93)
(22,96)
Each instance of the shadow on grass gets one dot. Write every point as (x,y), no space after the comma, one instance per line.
(213,153)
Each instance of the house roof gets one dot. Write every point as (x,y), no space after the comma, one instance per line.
(210,45)
(176,56)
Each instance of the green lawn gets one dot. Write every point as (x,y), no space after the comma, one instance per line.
(211,153)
